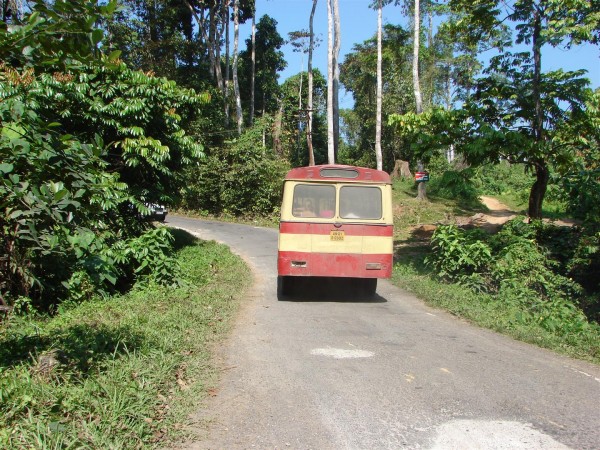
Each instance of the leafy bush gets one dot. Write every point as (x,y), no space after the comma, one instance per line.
(521,264)
(84,141)
(244,178)
(503,178)
(456,253)
(581,183)
(455,184)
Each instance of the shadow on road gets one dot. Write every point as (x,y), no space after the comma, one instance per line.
(320,289)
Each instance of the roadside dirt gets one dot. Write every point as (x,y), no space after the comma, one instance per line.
(498,214)
(491,221)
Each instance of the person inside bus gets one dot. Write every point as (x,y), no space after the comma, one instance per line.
(309,209)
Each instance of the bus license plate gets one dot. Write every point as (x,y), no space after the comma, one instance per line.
(337,235)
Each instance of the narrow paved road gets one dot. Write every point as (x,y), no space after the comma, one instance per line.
(340,372)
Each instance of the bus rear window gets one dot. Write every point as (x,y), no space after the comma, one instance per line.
(314,201)
(360,202)
(339,173)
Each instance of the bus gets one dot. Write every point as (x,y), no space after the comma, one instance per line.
(336,221)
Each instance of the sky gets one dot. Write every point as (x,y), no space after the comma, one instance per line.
(358,23)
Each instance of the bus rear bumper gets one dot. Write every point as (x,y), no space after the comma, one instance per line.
(334,265)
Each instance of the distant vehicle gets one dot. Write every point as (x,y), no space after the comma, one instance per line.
(157,212)
(336,221)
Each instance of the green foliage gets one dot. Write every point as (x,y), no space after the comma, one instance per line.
(244,178)
(139,116)
(123,372)
(521,264)
(54,36)
(502,178)
(581,183)
(84,141)
(294,122)
(513,110)
(455,184)
(268,61)
(457,253)
(358,75)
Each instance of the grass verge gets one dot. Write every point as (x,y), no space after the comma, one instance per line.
(122,372)
(492,312)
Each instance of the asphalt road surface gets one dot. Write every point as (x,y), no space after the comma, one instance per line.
(325,369)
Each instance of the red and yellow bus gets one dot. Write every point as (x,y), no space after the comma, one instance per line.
(336,221)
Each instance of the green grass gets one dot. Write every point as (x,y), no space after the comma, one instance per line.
(271,221)
(410,212)
(128,369)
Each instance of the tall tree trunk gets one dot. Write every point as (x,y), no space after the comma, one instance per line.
(311,153)
(330,131)
(209,38)
(252,79)
(538,190)
(378,152)
(226,86)
(214,46)
(421,186)
(336,76)
(415,67)
(300,102)
(236,86)
(333,130)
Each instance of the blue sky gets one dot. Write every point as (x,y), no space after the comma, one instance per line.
(358,23)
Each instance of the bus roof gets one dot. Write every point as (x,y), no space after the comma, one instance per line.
(338,172)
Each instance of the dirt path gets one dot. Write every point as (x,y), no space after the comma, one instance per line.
(499,213)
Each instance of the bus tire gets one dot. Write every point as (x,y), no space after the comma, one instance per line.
(284,286)
(369,286)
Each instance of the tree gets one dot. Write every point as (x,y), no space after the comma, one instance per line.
(378,153)
(311,46)
(421,186)
(294,122)
(253,70)
(269,61)
(415,61)
(358,77)
(533,109)
(236,86)
(84,142)
(333,20)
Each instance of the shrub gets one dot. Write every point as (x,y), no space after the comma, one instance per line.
(457,253)
(455,184)
(243,178)
(84,141)
(503,178)
(521,265)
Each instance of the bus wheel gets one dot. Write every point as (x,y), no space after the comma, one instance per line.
(369,286)
(284,286)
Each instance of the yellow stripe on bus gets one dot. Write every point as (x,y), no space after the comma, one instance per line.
(322,243)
